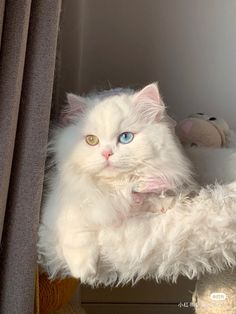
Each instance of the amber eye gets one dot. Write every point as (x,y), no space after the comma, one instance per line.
(92,139)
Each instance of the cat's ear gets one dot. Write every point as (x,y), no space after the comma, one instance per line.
(75,107)
(76,103)
(149,104)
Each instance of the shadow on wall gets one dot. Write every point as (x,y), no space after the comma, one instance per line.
(188,46)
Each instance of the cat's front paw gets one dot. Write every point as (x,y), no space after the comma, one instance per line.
(82,264)
(83,271)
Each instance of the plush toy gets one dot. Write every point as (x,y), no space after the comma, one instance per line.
(202,130)
(214,293)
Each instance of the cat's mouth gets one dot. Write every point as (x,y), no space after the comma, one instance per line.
(108,170)
(109,165)
(111,170)
(112,165)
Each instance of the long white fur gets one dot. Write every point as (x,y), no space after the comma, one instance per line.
(192,238)
(86,196)
(87,229)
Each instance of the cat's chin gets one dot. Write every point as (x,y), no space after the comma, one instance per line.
(110,171)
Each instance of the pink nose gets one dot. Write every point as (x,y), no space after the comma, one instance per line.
(107,153)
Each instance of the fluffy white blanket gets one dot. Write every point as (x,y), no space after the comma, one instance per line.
(190,239)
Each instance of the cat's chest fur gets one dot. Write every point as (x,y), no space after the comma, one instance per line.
(121,185)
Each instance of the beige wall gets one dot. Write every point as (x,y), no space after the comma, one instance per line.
(189,46)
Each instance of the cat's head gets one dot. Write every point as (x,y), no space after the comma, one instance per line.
(118,134)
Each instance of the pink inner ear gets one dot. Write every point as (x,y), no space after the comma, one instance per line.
(148,103)
(186,126)
(150,92)
(75,107)
(75,102)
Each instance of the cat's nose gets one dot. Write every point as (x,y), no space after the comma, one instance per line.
(107,153)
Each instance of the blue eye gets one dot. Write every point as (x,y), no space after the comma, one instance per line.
(126,137)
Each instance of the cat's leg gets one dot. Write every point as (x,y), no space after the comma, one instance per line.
(80,251)
(80,246)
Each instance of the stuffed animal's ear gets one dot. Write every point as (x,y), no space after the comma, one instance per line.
(149,104)
(75,107)
(186,125)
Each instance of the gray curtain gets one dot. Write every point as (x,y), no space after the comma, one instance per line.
(28,38)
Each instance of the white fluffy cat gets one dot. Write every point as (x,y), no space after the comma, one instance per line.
(115,157)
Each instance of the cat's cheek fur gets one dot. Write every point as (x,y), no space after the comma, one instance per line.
(86,158)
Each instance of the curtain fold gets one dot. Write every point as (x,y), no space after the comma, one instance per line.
(12,58)
(27,62)
(2,8)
